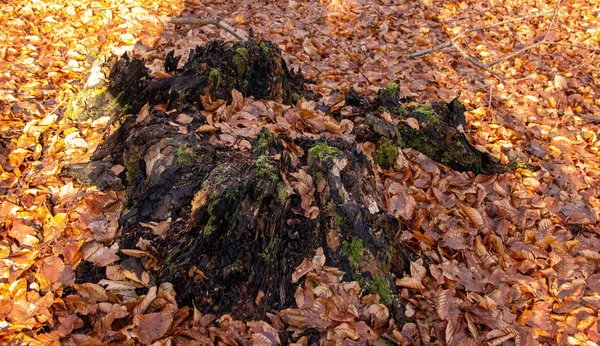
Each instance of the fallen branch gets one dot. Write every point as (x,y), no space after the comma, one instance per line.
(474,60)
(199,22)
(479,28)
(453,43)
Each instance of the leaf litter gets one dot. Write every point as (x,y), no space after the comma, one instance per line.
(510,258)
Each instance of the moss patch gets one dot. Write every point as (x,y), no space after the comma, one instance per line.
(263,170)
(241,58)
(385,154)
(265,140)
(263,48)
(322,150)
(381,287)
(215,78)
(267,253)
(282,193)
(354,251)
(392,89)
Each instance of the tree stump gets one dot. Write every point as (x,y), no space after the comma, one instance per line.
(236,223)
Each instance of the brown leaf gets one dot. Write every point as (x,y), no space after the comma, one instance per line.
(151,326)
(379,315)
(410,282)
(473,215)
(343,331)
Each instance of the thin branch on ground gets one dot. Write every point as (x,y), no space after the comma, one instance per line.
(452,43)
(509,56)
(199,22)
(474,60)
(479,28)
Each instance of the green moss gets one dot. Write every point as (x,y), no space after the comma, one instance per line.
(241,58)
(182,95)
(430,116)
(317,177)
(321,150)
(263,170)
(295,98)
(126,109)
(263,48)
(381,287)
(385,154)
(282,193)
(461,156)
(387,256)
(425,109)
(338,219)
(418,141)
(184,155)
(264,140)
(353,251)
(392,89)
(215,78)
(267,253)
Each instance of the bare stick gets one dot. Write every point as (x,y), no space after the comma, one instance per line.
(506,57)
(449,42)
(474,61)
(200,22)
(572,46)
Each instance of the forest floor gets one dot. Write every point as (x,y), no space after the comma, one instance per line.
(511,258)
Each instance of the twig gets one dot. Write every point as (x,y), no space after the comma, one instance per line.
(449,42)
(474,61)
(200,22)
(506,57)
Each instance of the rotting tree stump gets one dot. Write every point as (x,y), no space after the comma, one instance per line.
(236,225)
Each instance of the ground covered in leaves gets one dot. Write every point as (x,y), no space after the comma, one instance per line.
(506,258)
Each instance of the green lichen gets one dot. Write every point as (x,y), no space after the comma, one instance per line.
(380,286)
(263,48)
(385,154)
(322,150)
(282,193)
(241,58)
(215,78)
(392,89)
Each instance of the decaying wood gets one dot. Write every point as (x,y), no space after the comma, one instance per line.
(227,225)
